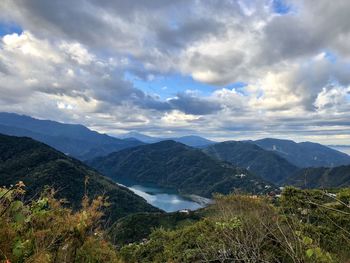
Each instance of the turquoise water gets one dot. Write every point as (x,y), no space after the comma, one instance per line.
(164,198)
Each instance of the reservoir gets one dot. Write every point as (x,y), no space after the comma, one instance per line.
(164,198)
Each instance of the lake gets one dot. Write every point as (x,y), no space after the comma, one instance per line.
(164,198)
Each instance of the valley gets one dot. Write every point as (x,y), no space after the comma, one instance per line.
(162,194)
(162,131)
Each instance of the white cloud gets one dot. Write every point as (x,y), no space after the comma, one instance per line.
(77,53)
(332,97)
(72,57)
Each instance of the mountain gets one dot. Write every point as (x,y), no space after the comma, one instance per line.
(175,165)
(194,141)
(37,165)
(321,177)
(141,137)
(341,148)
(190,140)
(305,154)
(71,139)
(266,164)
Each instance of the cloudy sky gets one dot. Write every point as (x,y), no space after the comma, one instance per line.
(223,69)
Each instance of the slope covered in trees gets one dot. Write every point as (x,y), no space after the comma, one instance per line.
(38,165)
(72,139)
(266,164)
(178,166)
(305,154)
(321,177)
(308,226)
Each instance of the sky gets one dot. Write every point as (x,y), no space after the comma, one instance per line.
(222,69)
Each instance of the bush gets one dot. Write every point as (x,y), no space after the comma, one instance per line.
(45,231)
(238,228)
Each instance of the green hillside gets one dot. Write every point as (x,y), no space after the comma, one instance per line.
(266,164)
(37,165)
(175,165)
(321,177)
(135,227)
(304,154)
(72,139)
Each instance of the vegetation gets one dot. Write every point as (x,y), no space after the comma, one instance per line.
(322,177)
(304,226)
(263,163)
(38,224)
(172,164)
(38,165)
(137,227)
(75,140)
(324,217)
(304,154)
(45,231)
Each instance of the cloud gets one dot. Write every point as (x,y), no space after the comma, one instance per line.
(192,104)
(72,58)
(332,97)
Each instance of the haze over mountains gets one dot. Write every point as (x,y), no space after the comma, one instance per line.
(341,148)
(72,139)
(190,140)
(305,154)
(168,163)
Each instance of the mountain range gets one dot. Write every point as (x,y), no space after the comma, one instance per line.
(190,140)
(304,154)
(267,164)
(72,139)
(272,160)
(38,165)
(175,165)
(82,143)
(321,177)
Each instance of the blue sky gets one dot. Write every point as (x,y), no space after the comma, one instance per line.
(9,28)
(167,86)
(281,7)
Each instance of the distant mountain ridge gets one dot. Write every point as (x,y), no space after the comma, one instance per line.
(80,142)
(321,177)
(266,164)
(72,139)
(38,165)
(341,148)
(190,140)
(175,165)
(304,154)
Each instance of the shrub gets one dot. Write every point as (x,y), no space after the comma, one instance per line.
(43,230)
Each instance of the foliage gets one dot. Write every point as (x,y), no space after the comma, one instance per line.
(175,165)
(75,140)
(267,164)
(38,165)
(237,229)
(44,231)
(136,227)
(321,177)
(304,226)
(304,154)
(324,217)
